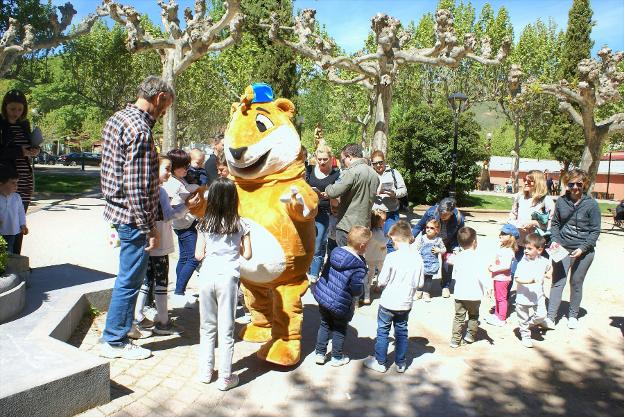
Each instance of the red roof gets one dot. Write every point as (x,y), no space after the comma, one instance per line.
(615,156)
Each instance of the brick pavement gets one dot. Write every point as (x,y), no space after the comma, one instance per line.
(568,373)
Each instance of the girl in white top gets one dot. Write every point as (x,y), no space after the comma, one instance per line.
(375,251)
(222,238)
(533,198)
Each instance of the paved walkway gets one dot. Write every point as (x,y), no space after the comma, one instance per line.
(572,373)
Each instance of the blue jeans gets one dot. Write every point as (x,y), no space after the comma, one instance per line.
(320,245)
(391,218)
(10,240)
(132,268)
(334,327)
(187,239)
(447,275)
(385,319)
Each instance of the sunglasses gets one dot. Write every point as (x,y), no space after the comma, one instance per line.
(572,184)
(378,163)
(529,181)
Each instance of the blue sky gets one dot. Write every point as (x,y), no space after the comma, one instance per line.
(348,21)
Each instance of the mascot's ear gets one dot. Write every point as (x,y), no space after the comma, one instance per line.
(233,108)
(286,106)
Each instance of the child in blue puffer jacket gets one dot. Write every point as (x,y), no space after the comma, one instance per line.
(336,292)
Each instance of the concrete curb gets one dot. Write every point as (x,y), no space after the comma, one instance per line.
(12,302)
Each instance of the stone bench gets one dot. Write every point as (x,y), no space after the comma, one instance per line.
(40,374)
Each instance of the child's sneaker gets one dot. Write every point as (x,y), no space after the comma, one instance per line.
(320,359)
(366,301)
(572,323)
(454,344)
(527,343)
(400,367)
(150,313)
(224,384)
(548,324)
(371,363)
(493,320)
(339,362)
(418,295)
(469,338)
(427,297)
(168,329)
(125,351)
(205,376)
(446,293)
(138,332)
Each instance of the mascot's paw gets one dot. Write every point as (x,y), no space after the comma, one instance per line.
(295,198)
(281,352)
(255,334)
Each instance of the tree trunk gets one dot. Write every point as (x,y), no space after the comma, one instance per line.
(592,153)
(383,105)
(516,167)
(170,120)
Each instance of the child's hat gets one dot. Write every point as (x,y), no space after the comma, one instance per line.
(511,230)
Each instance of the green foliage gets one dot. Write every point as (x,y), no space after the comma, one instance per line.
(578,44)
(421,147)
(4,255)
(566,140)
(65,183)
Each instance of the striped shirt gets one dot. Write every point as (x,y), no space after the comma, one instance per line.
(25,182)
(129,176)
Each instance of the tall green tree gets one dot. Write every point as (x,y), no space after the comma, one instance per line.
(577,44)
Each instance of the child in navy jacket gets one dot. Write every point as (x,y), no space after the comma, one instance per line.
(336,292)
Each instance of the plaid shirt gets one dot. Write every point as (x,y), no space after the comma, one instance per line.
(129,176)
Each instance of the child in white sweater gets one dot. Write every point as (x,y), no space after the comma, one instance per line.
(401,275)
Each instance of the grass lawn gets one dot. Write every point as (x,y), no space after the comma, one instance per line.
(51,183)
(504,203)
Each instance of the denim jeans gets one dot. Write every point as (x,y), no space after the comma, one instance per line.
(447,274)
(320,245)
(187,239)
(385,319)
(132,268)
(391,218)
(10,240)
(334,327)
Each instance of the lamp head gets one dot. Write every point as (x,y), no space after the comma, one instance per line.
(458,102)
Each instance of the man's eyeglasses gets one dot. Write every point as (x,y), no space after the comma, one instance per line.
(378,163)
(572,184)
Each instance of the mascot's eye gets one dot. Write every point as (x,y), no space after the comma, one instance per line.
(263,123)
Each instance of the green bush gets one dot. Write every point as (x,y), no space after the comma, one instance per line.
(421,145)
(4,254)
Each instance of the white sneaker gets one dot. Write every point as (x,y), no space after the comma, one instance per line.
(427,297)
(320,359)
(454,345)
(572,323)
(527,343)
(493,320)
(137,332)
(548,324)
(400,368)
(339,362)
(205,376)
(371,363)
(224,384)
(446,293)
(169,329)
(150,313)
(126,351)
(469,338)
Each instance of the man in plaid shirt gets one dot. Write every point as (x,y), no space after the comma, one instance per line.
(129,180)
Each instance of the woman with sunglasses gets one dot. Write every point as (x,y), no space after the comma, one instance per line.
(575,227)
(319,176)
(15,147)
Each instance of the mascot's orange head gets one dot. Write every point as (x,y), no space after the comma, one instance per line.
(260,138)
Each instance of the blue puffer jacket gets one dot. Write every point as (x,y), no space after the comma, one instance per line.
(335,289)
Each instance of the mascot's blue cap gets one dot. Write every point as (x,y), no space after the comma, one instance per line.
(263,93)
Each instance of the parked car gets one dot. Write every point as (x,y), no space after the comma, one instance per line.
(45,158)
(75,158)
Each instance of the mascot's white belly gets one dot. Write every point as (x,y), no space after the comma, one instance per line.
(267,256)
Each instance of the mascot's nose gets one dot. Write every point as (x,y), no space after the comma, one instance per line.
(238,152)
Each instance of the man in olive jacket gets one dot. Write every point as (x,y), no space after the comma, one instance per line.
(357,188)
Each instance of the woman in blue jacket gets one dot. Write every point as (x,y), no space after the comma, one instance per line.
(451,220)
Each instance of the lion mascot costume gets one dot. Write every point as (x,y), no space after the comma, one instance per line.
(264,155)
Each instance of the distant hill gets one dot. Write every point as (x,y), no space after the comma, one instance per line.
(489,116)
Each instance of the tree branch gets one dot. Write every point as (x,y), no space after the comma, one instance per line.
(613,124)
(576,116)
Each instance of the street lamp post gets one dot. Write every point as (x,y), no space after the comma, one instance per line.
(458,102)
